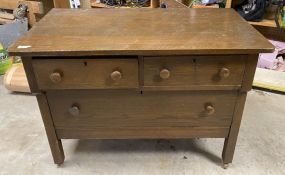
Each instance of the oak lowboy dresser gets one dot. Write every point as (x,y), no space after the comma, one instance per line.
(141,73)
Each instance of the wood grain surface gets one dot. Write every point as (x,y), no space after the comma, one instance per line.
(230,141)
(189,71)
(86,73)
(250,66)
(175,31)
(144,133)
(29,70)
(78,62)
(132,110)
(54,142)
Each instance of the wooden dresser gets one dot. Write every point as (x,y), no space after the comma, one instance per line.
(141,73)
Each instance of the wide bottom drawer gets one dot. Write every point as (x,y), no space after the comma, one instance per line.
(129,114)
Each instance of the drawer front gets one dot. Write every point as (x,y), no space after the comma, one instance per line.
(194,72)
(86,73)
(103,110)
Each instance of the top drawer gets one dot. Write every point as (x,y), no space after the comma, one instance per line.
(194,72)
(86,73)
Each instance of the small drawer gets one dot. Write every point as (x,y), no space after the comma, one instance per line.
(194,72)
(86,73)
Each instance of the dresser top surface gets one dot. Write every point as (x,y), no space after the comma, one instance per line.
(87,32)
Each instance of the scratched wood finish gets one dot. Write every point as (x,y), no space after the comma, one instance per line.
(158,31)
(86,73)
(192,44)
(130,109)
(186,72)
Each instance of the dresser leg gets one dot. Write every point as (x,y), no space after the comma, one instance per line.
(54,143)
(230,141)
(57,151)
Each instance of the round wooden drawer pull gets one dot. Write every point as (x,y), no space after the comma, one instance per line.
(164,74)
(116,75)
(55,77)
(210,109)
(74,110)
(224,72)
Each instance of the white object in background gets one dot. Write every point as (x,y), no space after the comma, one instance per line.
(269,79)
(74,4)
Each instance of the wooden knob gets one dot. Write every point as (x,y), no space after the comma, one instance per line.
(55,77)
(116,75)
(164,74)
(210,109)
(74,110)
(224,72)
